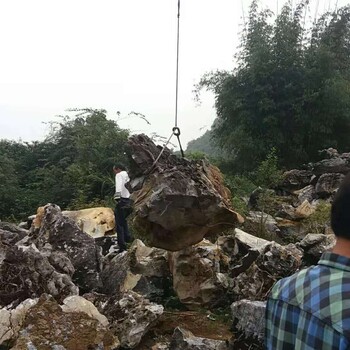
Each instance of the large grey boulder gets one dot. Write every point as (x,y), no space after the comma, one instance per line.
(11,230)
(198,277)
(271,263)
(335,164)
(142,269)
(75,325)
(306,193)
(296,179)
(25,272)
(131,316)
(247,241)
(97,222)
(177,201)
(61,234)
(314,245)
(328,184)
(12,319)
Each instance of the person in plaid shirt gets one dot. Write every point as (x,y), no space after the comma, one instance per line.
(311,309)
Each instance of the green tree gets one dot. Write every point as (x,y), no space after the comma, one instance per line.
(8,187)
(72,167)
(290,90)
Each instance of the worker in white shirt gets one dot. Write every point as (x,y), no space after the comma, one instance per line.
(123,206)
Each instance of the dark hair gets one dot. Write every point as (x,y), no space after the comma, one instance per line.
(340,217)
(119,166)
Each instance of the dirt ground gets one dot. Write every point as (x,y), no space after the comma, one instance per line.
(197,322)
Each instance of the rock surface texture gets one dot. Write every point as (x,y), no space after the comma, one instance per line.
(177,201)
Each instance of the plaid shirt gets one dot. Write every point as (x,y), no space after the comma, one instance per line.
(311,309)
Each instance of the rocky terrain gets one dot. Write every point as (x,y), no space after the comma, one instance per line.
(64,286)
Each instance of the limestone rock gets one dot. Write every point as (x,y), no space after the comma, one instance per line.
(273,263)
(180,201)
(77,303)
(248,241)
(249,318)
(11,321)
(306,193)
(17,232)
(304,210)
(131,316)
(185,340)
(328,184)
(314,245)
(340,164)
(27,273)
(63,235)
(290,231)
(287,211)
(97,222)
(246,250)
(296,179)
(142,269)
(261,224)
(48,327)
(197,276)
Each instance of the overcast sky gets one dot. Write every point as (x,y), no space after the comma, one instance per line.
(116,55)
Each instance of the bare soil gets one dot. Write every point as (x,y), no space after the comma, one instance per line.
(197,322)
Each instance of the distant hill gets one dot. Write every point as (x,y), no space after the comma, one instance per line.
(204,144)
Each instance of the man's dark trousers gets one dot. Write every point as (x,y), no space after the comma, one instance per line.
(121,212)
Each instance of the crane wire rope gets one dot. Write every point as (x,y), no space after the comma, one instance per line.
(176,130)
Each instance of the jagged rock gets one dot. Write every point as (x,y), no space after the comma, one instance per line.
(247,241)
(108,244)
(180,201)
(249,318)
(6,226)
(290,231)
(24,225)
(306,193)
(142,269)
(296,179)
(273,263)
(115,273)
(227,243)
(304,210)
(48,326)
(131,316)
(314,245)
(185,340)
(77,303)
(328,184)
(25,272)
(279,261)
(11,321)
(197,276)
(63,235)
(287,211)
(261,224)
(340,164)
(246,250)
(97,222)
(10,238)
